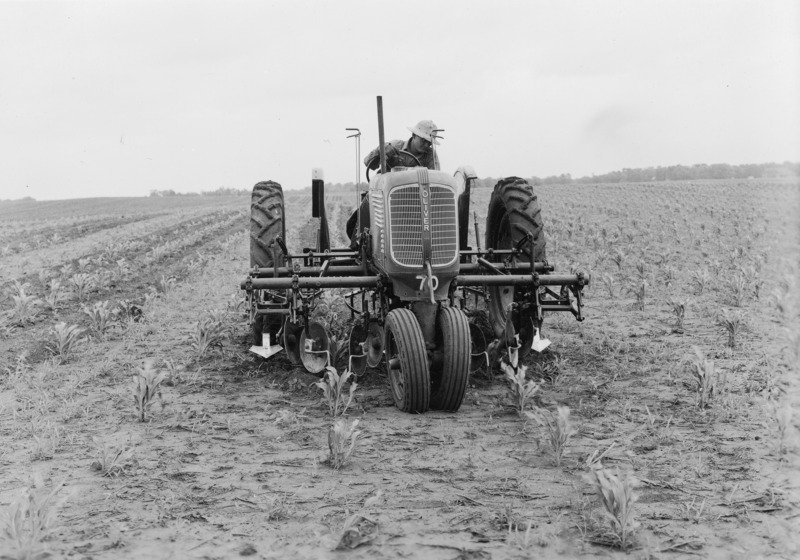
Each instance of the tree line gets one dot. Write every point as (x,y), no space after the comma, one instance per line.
(695,172)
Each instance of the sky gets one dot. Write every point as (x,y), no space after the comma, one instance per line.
(118,98)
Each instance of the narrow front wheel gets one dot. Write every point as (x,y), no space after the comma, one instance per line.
(449,382)
(407,362)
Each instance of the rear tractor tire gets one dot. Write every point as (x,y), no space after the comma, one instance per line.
(266,223)
(513,212)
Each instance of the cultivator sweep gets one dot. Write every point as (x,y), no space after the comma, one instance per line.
(411,280)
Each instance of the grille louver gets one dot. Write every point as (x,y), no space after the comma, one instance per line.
(405,218)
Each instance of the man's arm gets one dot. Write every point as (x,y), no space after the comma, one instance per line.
(373,159)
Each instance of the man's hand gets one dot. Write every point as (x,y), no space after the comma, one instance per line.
(392,156)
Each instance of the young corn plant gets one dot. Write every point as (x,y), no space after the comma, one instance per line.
(101,279)
(147,382)
(65,339)
(55,294)
(46,442)
(28,521)
(559,430)
(733,322)
(166,284)
(83,264)
(342,438)
(26,307)
(111,461)
(704,379)
(333,388)
(208,333)
(700,279)
(609,283)
(120,270)
(522,390)
(782,417)
(617,493)
(101,316)
(81,283)
(739,289)
(678,307)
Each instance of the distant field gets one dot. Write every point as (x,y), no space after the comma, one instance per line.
(682,381)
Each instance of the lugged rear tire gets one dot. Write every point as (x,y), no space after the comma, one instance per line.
(407,362)
(449,385)
(266,223)
(513,211)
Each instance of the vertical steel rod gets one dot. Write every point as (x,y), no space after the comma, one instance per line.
(380,134)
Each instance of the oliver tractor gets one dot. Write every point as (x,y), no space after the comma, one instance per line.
(411,276)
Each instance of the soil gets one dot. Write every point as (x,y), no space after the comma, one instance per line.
(233,459)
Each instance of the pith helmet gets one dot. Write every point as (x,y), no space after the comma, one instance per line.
(424,129)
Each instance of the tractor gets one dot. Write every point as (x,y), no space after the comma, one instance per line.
(411,279)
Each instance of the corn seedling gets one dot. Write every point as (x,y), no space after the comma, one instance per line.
(55,294)
(101,315)
(65,271)
(208,333)
(46,444)
(734,323)
(609,283)
(81,283)
(706,382)
(739,289)
(333,388)
(120,270)
(700,279)
(101,279)
(111,461)
(618,258)
(166,284)
(679,310)
(522,389)
(342,438)
(617,494)
(17,373)
(25,305)
(128,310)
(782,417)
(147,386)
(83,264)
(28,521)
(558,427)
(65,339)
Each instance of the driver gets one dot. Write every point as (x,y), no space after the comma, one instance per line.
(399,153)
(419,146)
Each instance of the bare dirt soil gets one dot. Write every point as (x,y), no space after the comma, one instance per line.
(233,458)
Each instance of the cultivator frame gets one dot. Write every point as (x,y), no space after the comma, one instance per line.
(412,316)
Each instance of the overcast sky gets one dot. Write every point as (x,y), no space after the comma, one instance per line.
(118,98)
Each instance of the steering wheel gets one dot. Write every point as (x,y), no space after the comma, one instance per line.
(416,159)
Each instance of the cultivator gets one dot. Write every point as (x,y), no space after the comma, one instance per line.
(411,280)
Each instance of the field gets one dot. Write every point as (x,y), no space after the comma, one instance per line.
(677,397)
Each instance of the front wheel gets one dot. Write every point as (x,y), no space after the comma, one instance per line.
(407,362)
(453,338)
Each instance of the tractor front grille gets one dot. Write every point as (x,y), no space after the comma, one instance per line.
(405,222)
